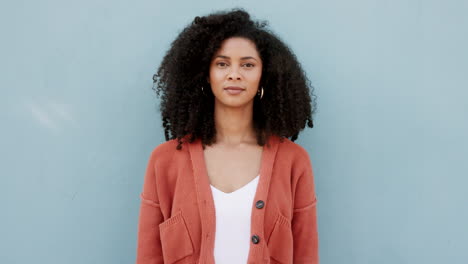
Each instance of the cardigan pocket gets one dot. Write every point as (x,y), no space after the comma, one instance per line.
(175,239)
(280,241)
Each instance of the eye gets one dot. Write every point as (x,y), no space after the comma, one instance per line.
(222,64)
(251,65)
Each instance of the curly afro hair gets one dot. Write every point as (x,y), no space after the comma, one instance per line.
(288,102)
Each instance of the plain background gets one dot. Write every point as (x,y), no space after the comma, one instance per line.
(389,146)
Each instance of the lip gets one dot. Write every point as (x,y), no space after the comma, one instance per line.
(233,88)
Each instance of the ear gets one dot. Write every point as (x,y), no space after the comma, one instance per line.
(208,79)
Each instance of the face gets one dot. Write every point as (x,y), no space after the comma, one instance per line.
(236,64)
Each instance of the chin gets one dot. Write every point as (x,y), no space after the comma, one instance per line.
(229,102)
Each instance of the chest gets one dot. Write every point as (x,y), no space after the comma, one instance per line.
(231,169)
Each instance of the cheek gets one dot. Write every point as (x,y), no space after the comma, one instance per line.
(255,76)
(216,76)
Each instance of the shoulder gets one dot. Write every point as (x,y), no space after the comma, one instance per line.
(291,149)
(165,151)
(294,158)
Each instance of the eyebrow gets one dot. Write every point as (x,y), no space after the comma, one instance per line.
(243,58)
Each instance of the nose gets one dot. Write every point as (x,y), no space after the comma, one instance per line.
(234,74)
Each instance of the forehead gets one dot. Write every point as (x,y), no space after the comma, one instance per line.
(238,46)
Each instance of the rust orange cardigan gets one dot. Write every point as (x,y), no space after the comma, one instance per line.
(177,213)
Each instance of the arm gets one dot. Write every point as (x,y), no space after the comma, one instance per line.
(149,250)
(304,222)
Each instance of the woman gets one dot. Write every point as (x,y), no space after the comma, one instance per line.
(228,186)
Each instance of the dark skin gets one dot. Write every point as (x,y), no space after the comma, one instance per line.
(234,160)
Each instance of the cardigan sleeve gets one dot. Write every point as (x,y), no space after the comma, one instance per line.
(149,250)
(304,221)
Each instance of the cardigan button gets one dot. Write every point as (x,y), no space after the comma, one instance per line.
(255,239)
(259,204)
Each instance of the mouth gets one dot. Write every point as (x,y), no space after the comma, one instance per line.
(234,90)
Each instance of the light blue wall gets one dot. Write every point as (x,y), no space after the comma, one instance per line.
(389,147)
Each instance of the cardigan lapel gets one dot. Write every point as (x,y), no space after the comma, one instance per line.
(206,202)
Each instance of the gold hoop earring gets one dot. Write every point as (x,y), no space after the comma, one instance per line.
(261,94)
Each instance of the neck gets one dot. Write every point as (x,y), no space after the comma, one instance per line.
(234,125)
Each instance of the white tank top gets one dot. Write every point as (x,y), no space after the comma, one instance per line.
(233,212)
